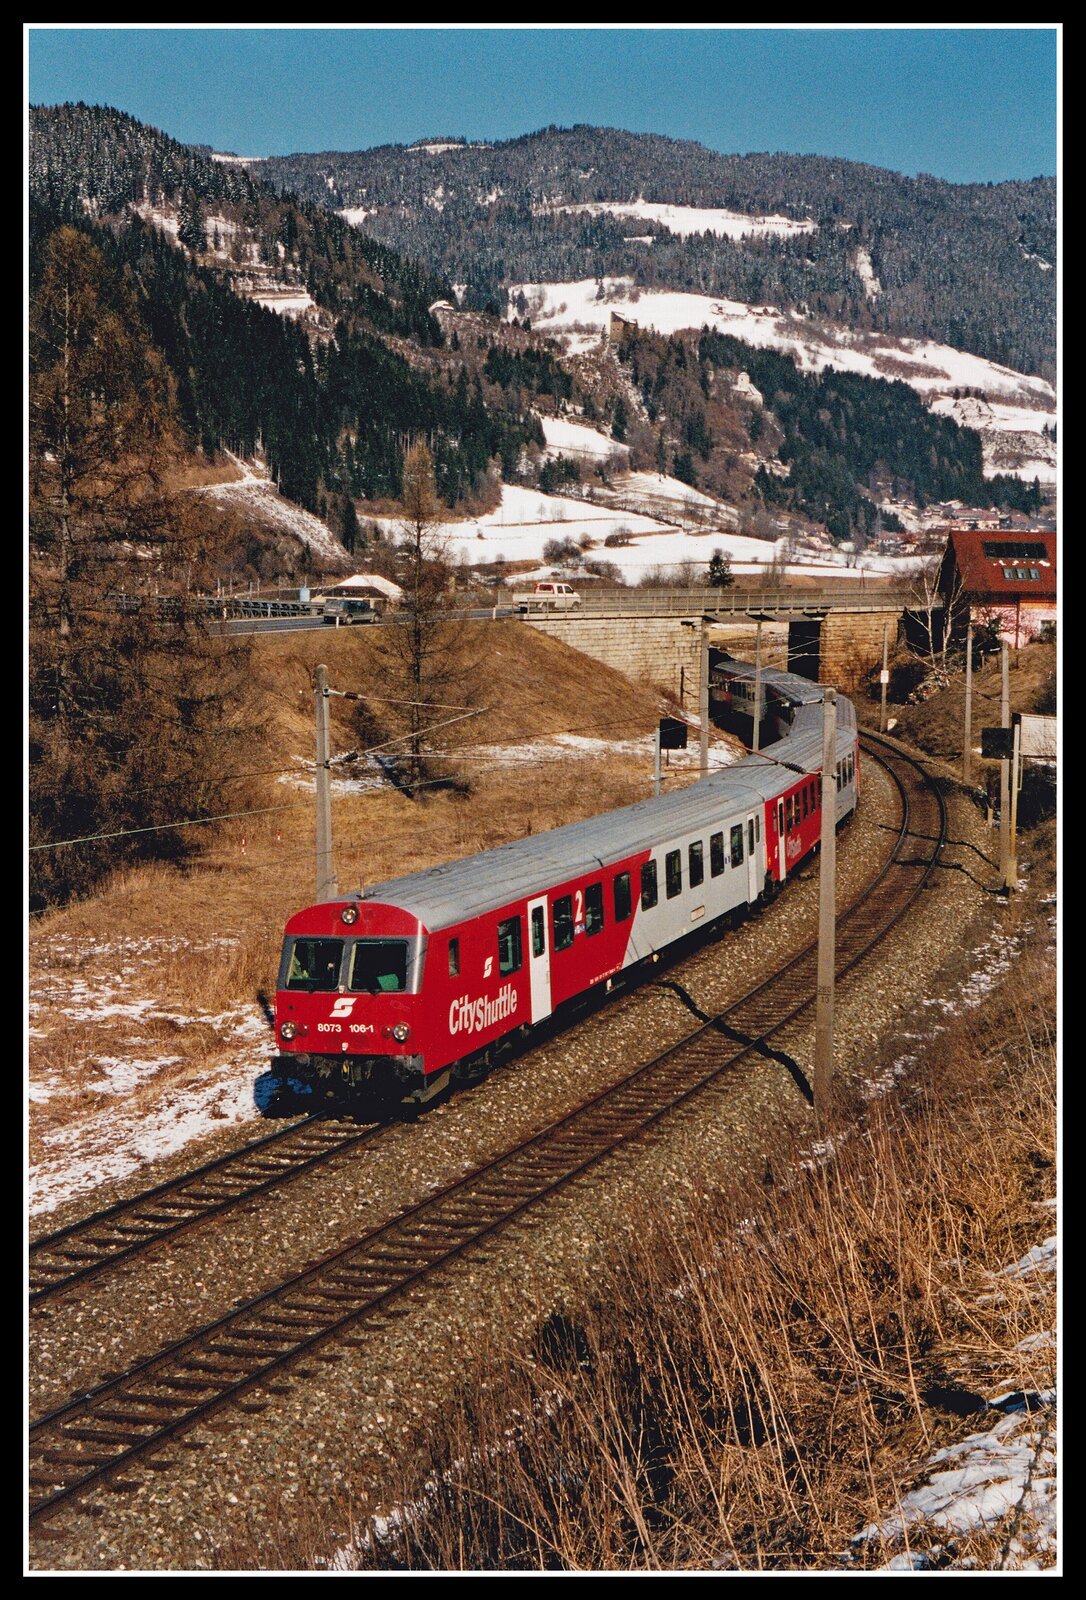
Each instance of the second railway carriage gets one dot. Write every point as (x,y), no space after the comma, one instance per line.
(431,974)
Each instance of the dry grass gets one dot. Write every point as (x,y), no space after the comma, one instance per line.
(757,1379)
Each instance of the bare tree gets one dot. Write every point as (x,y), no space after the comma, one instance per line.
(426,657)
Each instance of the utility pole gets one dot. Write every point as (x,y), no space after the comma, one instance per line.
(827,911)
(1004,778)
(326,872)
(967,741)
(884,675)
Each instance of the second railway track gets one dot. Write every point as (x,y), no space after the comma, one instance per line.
(98,1434)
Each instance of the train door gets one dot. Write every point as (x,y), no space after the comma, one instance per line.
(754,875)
(782,865)
(539,958)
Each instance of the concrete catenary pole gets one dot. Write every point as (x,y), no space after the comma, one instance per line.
(827,913)
(884,676)
(967,736)
(326,872)
(1004,778)
(1016,768)
(703,699)
(757,686)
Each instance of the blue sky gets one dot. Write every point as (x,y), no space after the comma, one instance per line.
(969,105)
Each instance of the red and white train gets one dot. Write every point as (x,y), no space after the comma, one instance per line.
(426,977)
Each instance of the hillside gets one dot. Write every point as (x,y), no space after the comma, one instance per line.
(969,265)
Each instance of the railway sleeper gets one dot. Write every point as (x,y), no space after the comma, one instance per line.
(123,1438)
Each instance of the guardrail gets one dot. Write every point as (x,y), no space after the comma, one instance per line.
(727,602)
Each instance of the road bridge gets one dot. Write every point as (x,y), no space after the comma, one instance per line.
(829,635)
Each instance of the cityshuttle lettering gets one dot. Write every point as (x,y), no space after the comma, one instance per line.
(473,1016)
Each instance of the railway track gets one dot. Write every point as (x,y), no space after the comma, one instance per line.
(70,1255)
(127,1418)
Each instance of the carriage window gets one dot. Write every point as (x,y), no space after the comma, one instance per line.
(697,864)
(673,872)
(805,800)
(838,774)
(313,964)
(649,891)
(757,825)
(750,836)
(851,768)
(509,945)
(454,958)
(539,932)
(563,923)
(788,814)
(737,845)
(717,862)
(623,904)
(378,966)
(593,908)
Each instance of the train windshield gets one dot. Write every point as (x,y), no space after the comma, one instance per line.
(312,964)
(378,966)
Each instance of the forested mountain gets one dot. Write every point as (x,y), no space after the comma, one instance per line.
(335,401)
(970,265)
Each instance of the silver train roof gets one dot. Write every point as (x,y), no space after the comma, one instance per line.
(460,890)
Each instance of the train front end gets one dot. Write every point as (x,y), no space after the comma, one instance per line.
(348,1002)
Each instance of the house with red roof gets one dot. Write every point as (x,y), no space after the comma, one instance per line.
(1006,577)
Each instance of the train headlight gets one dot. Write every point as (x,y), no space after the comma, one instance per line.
(349,914)
(400,1032)
(287,1031)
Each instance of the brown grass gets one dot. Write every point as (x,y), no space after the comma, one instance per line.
(755,1380)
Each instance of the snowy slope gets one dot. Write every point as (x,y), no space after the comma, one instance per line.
(1016,403)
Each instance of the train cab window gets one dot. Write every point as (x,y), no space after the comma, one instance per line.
(851,768)
(313,964)
(673,873)
(757,826)
(563,922)
(539,932)
(717,862)
(593,908)
(454,958)
(750,836)
(378,966)
(650,892)
(697,863)
(623,902)
(737,845)
(509,946)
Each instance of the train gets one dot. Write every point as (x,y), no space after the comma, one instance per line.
(402,989)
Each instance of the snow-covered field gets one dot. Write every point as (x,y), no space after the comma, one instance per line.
(686,220)
(1017,402)
(527,520)
(565,438)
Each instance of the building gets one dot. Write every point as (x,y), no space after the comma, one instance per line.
(1006,577)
